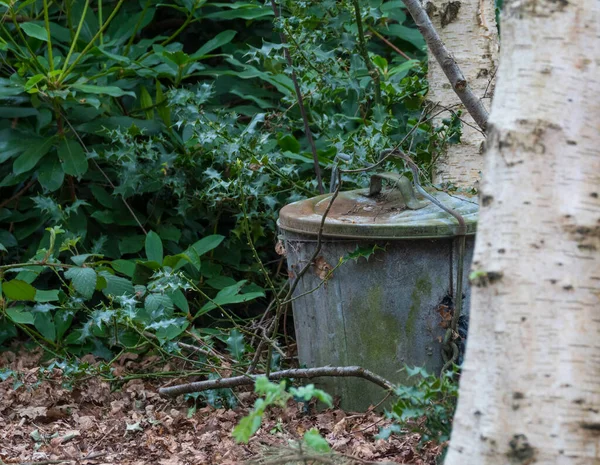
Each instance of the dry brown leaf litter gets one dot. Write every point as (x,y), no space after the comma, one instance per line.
(42,422)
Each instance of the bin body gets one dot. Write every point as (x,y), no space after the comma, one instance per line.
(380,313)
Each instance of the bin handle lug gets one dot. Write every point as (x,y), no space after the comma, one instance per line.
(402,183)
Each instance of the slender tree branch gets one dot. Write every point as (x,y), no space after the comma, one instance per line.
(307,130)
(245,380)
(451,69)
(389,44)
(362,47)
(4,203)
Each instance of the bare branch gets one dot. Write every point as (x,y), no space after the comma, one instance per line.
(307,130)
(451,69)
(245,380)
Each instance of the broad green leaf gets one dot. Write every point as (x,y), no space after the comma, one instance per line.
(16,289)
(155,303)
(315,441)
(7,330)
(146,102)
(113,56)
(32,81)
(50,173)
(235,344)
(79,260)
(17,112)
(131,243)
(44,323)
(176,261)
(73,158)
(125,267)
(83,280)
(218,41)
(34,30)
(46,296)
(116,286)
(220,282)
(229,295)
(62,322)
(180,301)
(154,247)
(30,157)
(252,12)
(112,91)
(162,108)
(289,143)
(207,244)
(408,34)
(19,315)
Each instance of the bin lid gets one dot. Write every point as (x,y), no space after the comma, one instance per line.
(396,212)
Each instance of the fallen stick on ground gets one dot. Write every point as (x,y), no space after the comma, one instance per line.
(244,380)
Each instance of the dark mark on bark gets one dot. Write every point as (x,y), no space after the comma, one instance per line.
(449,13)
(486,200)
(520,451)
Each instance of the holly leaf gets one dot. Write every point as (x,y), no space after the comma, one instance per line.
(235,344)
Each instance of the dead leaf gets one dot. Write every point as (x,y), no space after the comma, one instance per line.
(322,268)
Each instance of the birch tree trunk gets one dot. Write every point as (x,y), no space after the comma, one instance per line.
(530,388)
(468,28)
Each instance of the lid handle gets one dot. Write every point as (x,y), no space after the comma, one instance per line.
(402,183)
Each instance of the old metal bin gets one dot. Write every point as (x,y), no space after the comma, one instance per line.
(384,312)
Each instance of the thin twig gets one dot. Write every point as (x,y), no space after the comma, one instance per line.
(307,130)
(389,44)
(4,203)
(110,183)
(362,48)
(451,69)
(245,380)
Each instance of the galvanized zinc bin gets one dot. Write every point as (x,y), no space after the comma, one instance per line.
(384,312)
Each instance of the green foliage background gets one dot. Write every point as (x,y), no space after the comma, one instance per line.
(146,147)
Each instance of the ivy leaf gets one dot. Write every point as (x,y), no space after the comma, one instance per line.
(154,247)
(83,280)
(235,344)
(315,441)
(73,158)
(16,289)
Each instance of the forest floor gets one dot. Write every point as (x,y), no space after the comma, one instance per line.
(42,422)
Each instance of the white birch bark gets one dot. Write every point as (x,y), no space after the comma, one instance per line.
(530,388)
(468,28)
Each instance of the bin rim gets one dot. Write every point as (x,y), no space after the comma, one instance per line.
(356,215)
